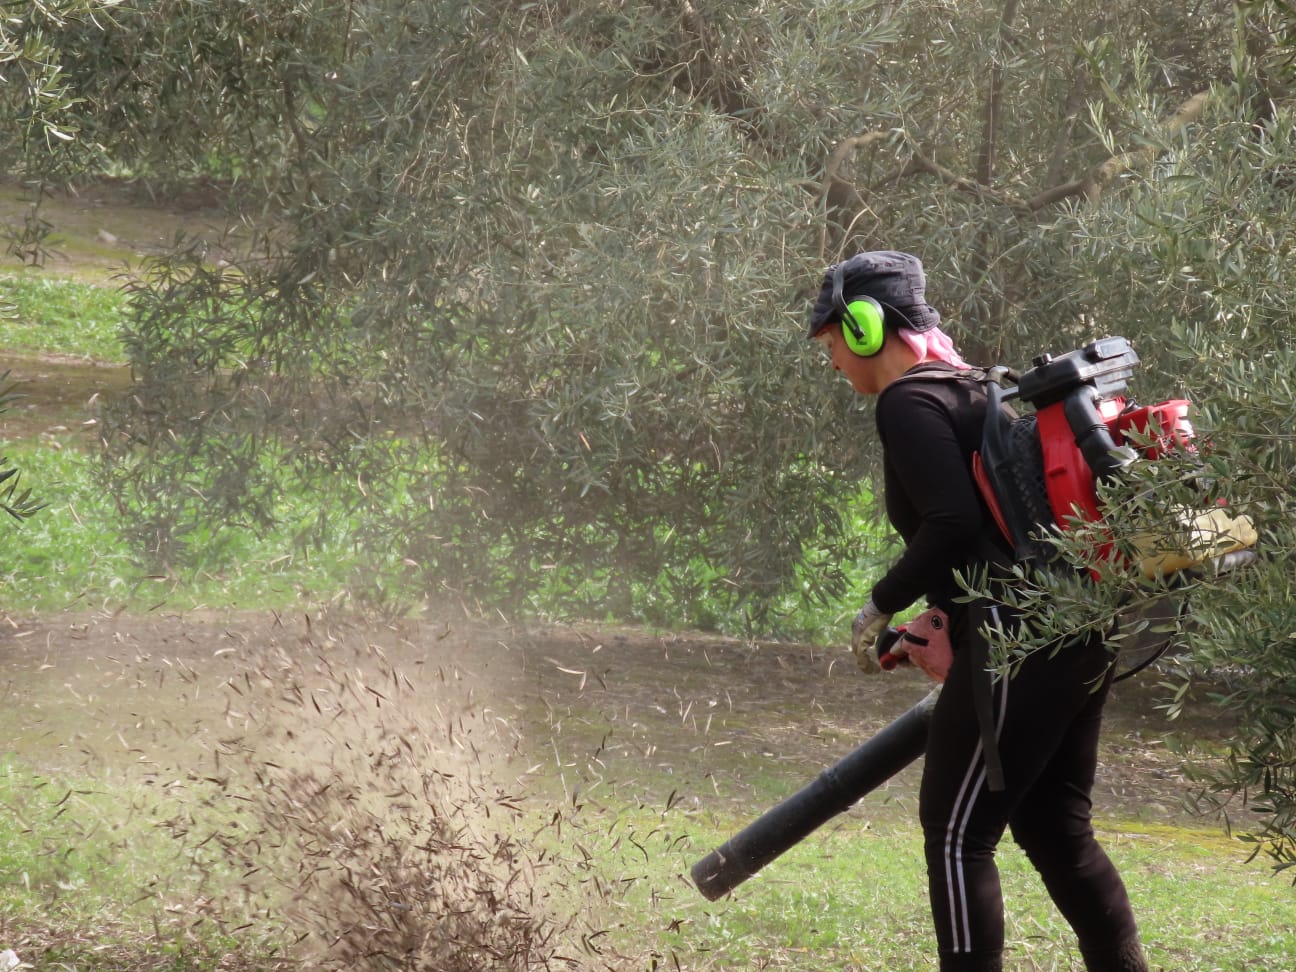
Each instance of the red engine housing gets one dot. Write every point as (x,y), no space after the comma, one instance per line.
(1152,429)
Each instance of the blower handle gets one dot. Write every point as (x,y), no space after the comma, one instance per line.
(1093,436)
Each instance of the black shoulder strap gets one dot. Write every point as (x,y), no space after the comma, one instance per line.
(981,375)
(983,677)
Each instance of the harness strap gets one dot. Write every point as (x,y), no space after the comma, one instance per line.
(982,677)
(983,700)
(979,375)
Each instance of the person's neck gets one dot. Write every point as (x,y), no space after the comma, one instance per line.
(897,358)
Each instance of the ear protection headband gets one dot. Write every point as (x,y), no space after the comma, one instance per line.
(862,318)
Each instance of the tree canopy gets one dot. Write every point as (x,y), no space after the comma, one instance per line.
(527,299)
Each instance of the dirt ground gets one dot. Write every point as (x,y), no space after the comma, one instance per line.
(718,723)
(99,228)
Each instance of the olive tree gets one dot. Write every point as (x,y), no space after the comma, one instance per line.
(524,316)
(37,102)
(529,308)
(532,298)
(1194,254)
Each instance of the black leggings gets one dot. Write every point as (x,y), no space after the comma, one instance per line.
(1048,717)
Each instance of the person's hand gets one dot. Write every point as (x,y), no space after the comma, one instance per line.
(868,624)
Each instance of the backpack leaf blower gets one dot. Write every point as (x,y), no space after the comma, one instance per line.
(1039,472)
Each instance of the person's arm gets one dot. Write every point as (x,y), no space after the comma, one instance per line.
(927,464)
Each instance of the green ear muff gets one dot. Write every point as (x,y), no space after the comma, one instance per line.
(862,318)
(862,326)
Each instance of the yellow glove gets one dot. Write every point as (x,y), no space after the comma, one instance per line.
(1211,534)
(868,624)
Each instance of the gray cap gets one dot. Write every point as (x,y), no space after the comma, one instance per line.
(895,280)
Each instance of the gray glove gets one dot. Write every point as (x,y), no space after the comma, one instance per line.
(868,624)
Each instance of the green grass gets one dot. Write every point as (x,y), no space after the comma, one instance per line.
(95,881)
(855,898)
(72,554)
(47,315)
(86,854)
(70,841)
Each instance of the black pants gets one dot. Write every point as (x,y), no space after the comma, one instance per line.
(1048,718)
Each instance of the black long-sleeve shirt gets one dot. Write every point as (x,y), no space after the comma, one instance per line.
(929,431)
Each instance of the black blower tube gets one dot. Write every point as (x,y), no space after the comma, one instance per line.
(835,790)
